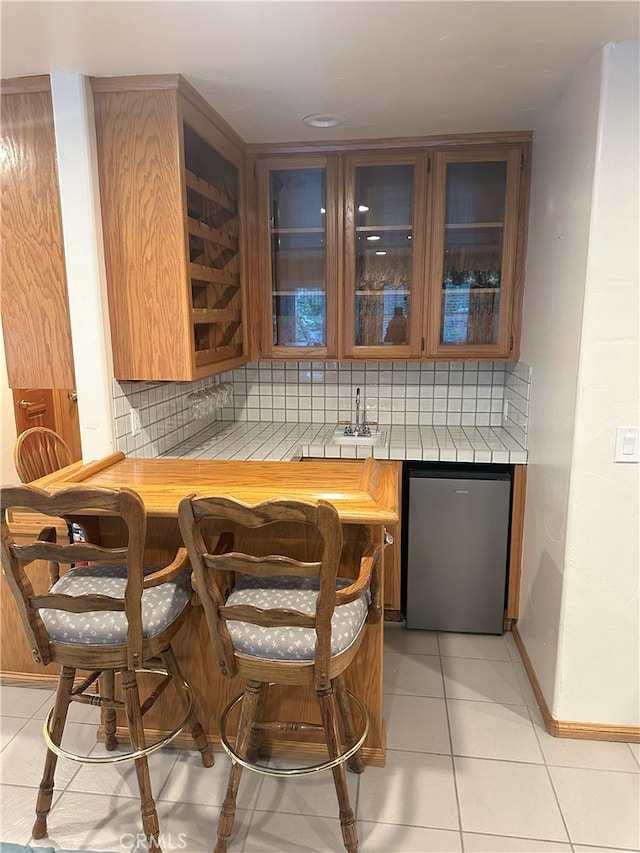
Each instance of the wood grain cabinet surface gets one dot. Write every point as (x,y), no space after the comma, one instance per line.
(414,251)
(374,250)
(35,305)
(171,181)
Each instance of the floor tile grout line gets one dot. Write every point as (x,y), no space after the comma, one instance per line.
(253,811)
(528,838)
(636,757)
(557,799)
(459,699)
(453,763)
(553,787)
(25,720)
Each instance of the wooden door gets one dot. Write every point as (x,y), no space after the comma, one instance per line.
(56,409)
(33,408)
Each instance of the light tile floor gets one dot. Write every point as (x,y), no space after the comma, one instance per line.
(470,768)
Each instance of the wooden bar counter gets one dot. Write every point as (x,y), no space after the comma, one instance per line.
(363,491)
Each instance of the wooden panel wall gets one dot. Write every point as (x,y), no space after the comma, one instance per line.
(35,307)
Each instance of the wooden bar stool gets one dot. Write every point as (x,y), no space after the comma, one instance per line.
(113,617)
(285,621)
(39,451)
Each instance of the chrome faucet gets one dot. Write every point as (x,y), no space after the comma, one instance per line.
(358,429)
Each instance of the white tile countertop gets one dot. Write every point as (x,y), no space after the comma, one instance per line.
(278,441)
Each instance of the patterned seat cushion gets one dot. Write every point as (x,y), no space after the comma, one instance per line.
(292,644)
(160,606)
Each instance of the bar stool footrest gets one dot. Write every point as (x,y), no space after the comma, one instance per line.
(133,754)
(345,755)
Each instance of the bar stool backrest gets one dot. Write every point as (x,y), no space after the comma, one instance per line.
(76,500)
(40,451)
(324,538)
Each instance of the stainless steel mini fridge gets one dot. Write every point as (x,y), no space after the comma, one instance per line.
(457,549)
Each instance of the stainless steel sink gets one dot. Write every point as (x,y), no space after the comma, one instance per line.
(376,439)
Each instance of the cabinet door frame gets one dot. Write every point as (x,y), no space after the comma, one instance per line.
(412,350)
(502,349)
(191,116)
(266,349)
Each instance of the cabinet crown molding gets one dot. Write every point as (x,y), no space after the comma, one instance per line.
(176,82)
(395,143)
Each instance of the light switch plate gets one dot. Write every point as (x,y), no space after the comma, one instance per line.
(627,444)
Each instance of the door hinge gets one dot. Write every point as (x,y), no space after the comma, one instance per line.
(260,346)
(422,346)
(511,344)
(521,162)
(428,164)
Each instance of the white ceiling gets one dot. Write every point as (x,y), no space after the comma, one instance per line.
(390,68)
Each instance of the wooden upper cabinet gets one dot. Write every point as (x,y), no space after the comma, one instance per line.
(298,211)
(35,305)
(171,180)
(473,275)
(390,255)
(384,245)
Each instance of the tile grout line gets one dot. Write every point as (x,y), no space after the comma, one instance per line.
(453,763)
(253,812)
(549,777)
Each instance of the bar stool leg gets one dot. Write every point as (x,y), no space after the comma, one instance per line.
(131,698)
(255,739)
(58,720)
(249,708)
(327,702)
(108,714)
(355,763)
(197,732)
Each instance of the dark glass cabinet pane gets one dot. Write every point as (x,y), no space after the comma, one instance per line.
(384,257)
(474,236)
(297,208)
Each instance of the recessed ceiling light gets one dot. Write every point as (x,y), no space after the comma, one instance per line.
(362,208)
(323,120)
(381,253)
(373,237)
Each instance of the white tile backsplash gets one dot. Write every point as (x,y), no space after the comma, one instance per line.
(451,394)
(386,388)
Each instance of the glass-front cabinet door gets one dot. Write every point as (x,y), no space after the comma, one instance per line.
(385,227)
(298,259)
(475,204)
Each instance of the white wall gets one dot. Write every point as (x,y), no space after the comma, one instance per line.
(84,260)
(562,176)
(572,559)
(601,619)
